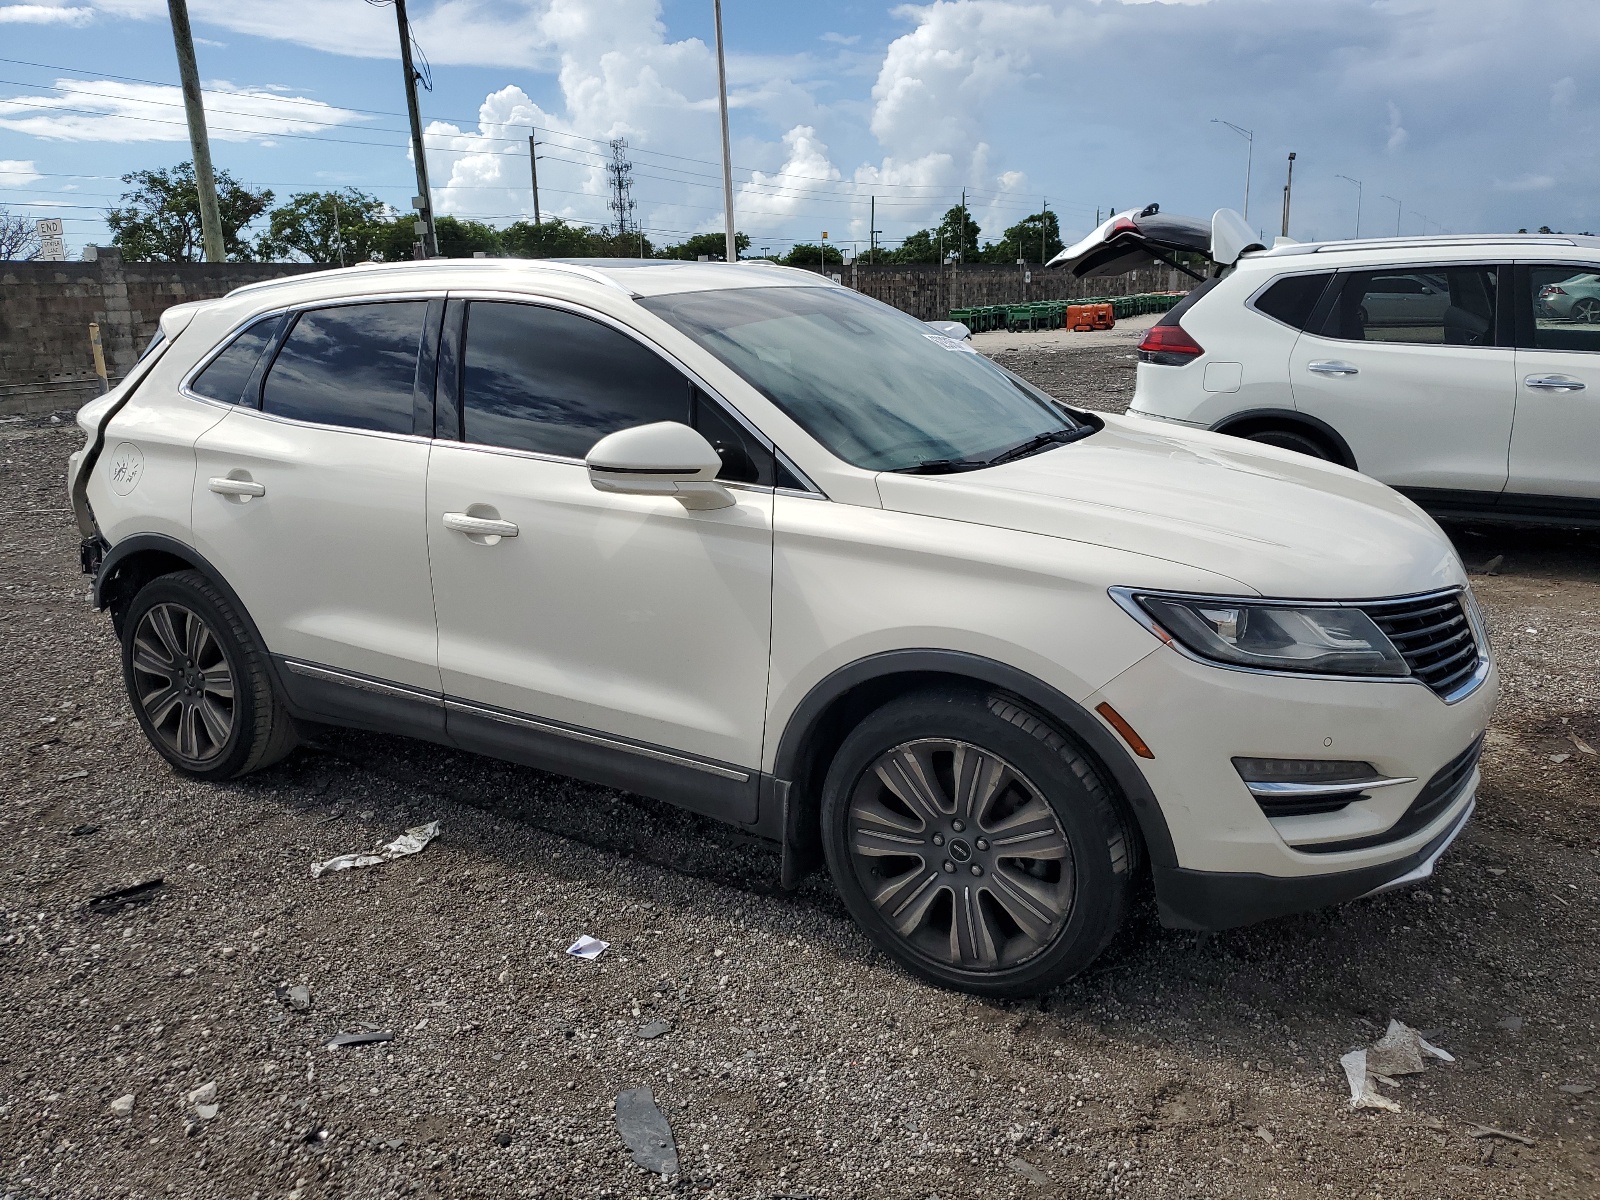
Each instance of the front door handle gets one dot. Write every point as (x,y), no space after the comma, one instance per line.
(1332,367)
(479,526)
(249,487)
(1553,383)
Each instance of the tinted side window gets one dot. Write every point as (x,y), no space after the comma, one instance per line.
(1291,300)
(1566,308)
(354,365)
(556,383)
(1453,306)
(228,373)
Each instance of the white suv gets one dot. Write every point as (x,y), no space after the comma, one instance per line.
(1456,369)
(750,542)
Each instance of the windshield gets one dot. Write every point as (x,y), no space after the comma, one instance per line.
(879,389)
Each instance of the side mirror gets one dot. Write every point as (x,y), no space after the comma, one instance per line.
(664,459)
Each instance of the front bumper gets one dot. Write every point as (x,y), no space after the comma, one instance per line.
(1212,900)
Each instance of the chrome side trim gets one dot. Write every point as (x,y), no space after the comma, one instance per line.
(1125,600)
(1279,791)
(594,739)
(1425,868)
(363,683)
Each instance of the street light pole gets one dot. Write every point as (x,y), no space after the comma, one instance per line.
(1397,207)
(1249,156)
(1357,182)
(1288,187)
(199,142)
(732,249)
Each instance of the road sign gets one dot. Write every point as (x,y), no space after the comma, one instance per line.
(52,249)
(48,227)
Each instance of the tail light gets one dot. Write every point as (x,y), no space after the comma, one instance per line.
(1170,346)
(1551,289)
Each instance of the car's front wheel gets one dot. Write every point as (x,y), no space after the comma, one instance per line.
(975,844)
(1291,439)
(198,683)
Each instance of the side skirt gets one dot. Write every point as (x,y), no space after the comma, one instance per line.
(1507,508)
(335,697)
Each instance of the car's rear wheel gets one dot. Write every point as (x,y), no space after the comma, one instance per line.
(199,685)
(975,844)
(1586,311)
(1291,439)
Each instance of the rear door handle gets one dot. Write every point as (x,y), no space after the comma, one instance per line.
(479,526)
(1553,383)
(1332,368)
(248,487)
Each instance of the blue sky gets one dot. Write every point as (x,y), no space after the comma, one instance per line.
(1474,115)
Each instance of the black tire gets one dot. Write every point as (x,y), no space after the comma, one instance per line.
(884,859)
(198,683)
(1292,439)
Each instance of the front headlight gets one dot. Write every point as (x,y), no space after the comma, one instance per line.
(1272,637)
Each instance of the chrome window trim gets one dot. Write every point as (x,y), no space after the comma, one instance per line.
(1125,599)
(622,327)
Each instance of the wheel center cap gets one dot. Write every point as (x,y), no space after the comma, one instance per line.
(959,850)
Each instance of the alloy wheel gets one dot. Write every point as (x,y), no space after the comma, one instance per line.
(1586,311)
(183,682)
(961,854)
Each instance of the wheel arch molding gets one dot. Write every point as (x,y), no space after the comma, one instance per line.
(820,722)
(1243,423)
(141,557)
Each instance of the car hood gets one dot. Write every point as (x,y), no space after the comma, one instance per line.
(1279,523)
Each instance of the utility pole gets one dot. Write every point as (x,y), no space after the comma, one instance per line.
(872,230)
(199,143)
(727,153)
(961,237)
(1287,188)
(338,234)
(428,238)
(1357,182)
(533,168)
(1043,214)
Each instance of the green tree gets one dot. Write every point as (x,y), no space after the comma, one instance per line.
(327,227)
(159,219)
(805,254)
(1025,240)
(713,245)
(921,247)
(549,239)
(397,239)
(959,234)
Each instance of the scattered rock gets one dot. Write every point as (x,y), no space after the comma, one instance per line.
(1511,1024)
(122,1106)
(1487,1131)
(298,998)
(502,1139)
(1028,1171)
(653,1030)
(84,830)
(360,1039)
(1576,1089)
(645,1132)
(206,1093)
(206,1112)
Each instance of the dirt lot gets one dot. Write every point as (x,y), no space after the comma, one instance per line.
(798,1062)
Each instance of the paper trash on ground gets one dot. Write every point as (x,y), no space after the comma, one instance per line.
(412,841)
(1398,1052)
(588,947)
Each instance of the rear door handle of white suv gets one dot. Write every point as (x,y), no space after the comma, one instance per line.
(480,526)
(1553,383)
(238,487)
(1332,368)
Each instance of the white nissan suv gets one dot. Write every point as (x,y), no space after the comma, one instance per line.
(748,541)
(1464,371)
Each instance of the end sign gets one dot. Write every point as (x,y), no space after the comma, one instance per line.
(51,246)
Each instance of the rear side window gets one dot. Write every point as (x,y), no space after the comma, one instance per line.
(1447,306)
(1292,298)
(354,365)
(1566,307)
(228,374)
(553,382)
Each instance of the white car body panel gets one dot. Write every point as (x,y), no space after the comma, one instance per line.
(1555,443)
(631,615)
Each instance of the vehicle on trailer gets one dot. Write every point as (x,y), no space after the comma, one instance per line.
(745,540)
(1457,369)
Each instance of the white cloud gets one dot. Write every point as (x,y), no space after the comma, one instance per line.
(111,111)
(44,14)
(1397,132)
(484,173)
(17,172)
(770,202)
(839,39)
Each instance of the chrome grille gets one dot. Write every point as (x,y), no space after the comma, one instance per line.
(1433,635)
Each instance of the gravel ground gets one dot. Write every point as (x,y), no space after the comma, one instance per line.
(797,1062)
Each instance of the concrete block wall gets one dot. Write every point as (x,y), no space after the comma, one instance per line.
(929,292)
(46,307)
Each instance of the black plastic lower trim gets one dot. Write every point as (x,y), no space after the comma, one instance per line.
(1212,900)
(1506,508)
